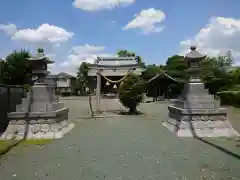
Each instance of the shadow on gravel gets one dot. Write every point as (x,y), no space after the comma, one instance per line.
(130,113)
(222,149)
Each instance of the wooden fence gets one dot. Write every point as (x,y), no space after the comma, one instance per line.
(10,97)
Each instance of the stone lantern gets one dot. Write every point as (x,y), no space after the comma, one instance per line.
(195,112)
(41,110)
(194,59)
(38,65)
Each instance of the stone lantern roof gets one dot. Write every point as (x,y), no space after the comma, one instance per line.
(40,57)
(194,54)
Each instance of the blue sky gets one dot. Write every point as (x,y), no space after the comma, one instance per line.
(72,32)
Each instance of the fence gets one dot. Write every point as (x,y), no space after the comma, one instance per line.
(10,97)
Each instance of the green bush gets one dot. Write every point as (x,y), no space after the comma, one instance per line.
(176,88)
(236,87)
(27,87)
(229,98)
(131,92)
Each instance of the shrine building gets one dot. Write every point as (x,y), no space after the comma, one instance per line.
(112,70)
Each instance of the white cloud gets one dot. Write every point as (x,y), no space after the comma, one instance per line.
(86,53)
(45,33)
(217,37)
(51,56)
(147,20)
(51,67)
(77,55)
(97,5)
(10,29)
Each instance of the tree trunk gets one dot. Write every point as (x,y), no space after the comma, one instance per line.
(133,110)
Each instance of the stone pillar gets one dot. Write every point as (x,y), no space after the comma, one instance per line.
(98,92)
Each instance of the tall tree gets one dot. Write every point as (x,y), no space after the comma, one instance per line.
(126,53)
(151,71)
(16,70)
(2,64)
(84,81)
(176,67)
(215,73)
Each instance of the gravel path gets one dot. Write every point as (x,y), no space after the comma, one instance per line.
(126,147)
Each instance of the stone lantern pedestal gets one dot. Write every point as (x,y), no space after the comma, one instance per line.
(196,112)
(41,115)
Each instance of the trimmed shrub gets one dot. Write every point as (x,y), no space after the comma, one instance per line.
(229,98)
(131,92)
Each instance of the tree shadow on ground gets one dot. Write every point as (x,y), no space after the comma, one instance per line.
(18,142)
(121,112)
(203,140)
(130,113)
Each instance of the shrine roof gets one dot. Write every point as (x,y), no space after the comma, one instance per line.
(116,58)
(103,66)
(162,74)
(115,62)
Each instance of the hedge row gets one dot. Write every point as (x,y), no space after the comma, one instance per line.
(229,98)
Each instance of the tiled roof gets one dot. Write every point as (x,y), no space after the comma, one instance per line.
(115,61)
(63,74)
(162,74)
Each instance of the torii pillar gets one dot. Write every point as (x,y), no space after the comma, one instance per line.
(98,91)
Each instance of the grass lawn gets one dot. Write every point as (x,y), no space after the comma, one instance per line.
(6,146)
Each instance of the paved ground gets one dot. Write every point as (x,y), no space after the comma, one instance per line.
(129,147)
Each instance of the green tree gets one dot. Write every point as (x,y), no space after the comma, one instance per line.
(176,67)
(126,53)
(2,64)
(215,66)
(215,73)
(131,92)
(83,80)
(15,70)
(151,71)
(235,73)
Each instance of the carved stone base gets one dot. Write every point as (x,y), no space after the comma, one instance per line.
(199,122)
(37,125)
(36,129)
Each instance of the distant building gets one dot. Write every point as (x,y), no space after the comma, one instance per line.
(65,83)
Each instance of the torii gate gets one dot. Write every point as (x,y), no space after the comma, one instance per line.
(112,66)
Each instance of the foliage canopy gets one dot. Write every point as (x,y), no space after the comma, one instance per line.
(131,92)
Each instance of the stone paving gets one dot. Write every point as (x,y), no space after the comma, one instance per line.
(127,148)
